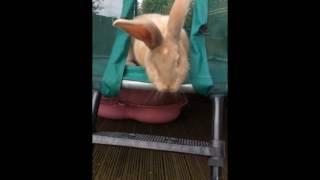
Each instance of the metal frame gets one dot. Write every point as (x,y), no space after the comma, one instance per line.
(216,163)
(186,88)
(95,106)
(214,149)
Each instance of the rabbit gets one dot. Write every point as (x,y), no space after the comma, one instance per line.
(160,44)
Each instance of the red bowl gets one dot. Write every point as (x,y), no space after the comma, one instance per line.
(141,105)
(111,109)
(147,97)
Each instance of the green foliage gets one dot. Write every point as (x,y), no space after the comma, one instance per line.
(163,7)
(156,6)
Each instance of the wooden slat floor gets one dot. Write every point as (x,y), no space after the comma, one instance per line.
(114,162)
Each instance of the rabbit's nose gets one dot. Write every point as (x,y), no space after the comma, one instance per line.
(173,89)
(163,88)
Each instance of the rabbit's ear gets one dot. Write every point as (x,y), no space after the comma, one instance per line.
(145,31)
(177,16)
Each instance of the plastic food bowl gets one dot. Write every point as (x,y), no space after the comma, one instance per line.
(141,105)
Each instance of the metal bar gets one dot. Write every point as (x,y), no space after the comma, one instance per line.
(215,173)
(187,88)
(216,167)
(161,143)
(217,121)
(95,106)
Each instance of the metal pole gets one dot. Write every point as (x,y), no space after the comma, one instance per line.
(217,121)
(216,134)
(95,106)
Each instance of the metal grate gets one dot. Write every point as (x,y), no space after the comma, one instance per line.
(155,142)
(154,138)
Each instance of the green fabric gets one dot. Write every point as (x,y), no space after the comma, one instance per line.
(217,43)
(111,81)
(200,76)
(208,50)
(102,31)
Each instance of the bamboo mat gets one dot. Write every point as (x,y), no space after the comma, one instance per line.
(114,162)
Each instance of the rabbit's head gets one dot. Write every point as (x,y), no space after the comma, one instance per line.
(166,56)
